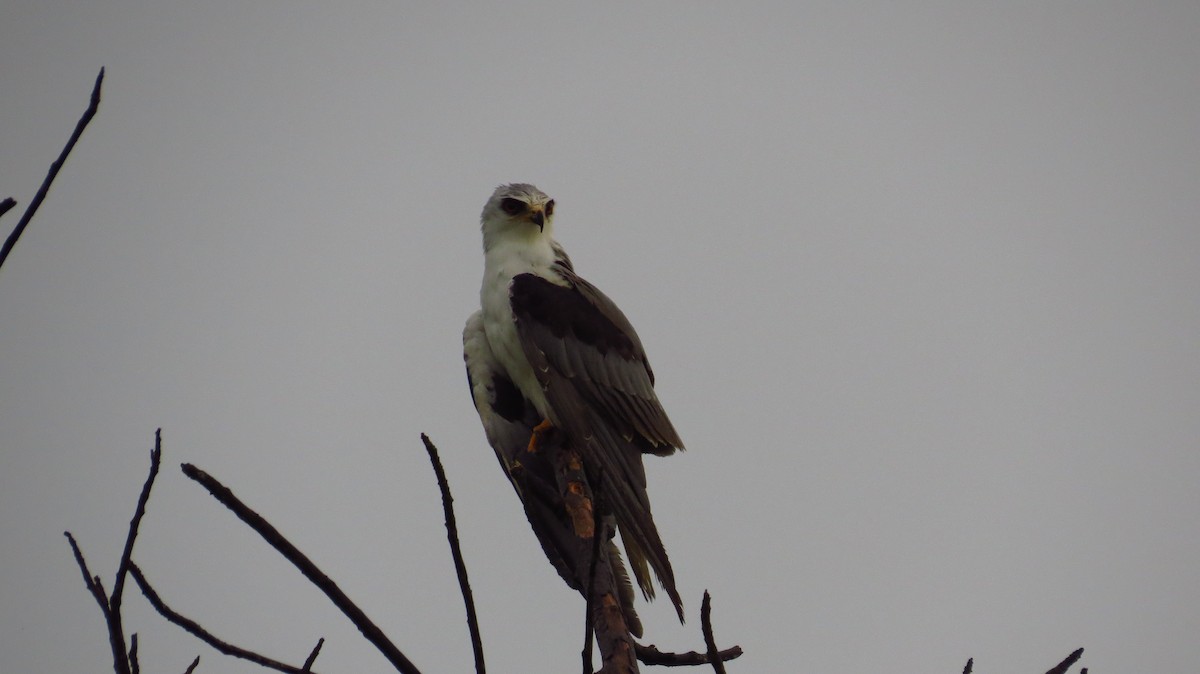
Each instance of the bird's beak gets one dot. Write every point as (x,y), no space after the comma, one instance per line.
(539,218)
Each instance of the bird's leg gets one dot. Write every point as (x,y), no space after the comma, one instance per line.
(539,432)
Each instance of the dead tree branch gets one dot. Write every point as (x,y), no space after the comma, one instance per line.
(298,559)
(456,552)
(706,628)
(589,621)
(93,106)
(650,655)
(123,657)
(133,656)
(114,602)
(312,657)
(1062,667)
(194,628)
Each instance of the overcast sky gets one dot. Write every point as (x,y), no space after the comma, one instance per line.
(921,287)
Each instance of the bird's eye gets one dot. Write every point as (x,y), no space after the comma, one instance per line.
(549,208)
(512,206)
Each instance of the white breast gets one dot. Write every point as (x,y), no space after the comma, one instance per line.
(501,263)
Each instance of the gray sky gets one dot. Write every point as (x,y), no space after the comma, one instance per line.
(919,285)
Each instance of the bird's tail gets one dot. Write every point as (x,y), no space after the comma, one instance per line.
(640,564)
(624,590)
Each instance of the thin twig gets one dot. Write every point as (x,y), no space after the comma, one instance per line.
(706,628)
(114,602)
(298,559)
(312,657)
(54,168)
(96,587)
(92,582)
(7,205)
(134,668)
(89,580)
(456,552)
(192,667)
(204,635)
(970,666)
(589,621)
(1062,667)
(650,655)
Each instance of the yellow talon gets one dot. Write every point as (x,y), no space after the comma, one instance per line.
(538,432)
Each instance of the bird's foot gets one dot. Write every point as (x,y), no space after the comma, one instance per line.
(539,432)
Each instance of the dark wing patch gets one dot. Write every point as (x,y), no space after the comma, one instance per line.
(600,389)
(507,399)
(508,420)
(588,340)
(566,312)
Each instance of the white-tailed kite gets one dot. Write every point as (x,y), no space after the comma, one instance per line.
(549,350)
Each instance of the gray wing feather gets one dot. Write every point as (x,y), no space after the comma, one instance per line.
(600,387)
(509,437)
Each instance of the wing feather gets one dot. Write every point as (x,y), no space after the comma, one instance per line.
(599,386)
(508,420)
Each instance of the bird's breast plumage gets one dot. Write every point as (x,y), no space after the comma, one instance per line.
(501,263)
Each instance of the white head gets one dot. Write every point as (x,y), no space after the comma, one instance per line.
(517,211)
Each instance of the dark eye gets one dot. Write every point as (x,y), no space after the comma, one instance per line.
(549,208)
(512,206)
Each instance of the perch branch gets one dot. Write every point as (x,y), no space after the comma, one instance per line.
(54,168)
(589,622)
(456,552)
(298,559)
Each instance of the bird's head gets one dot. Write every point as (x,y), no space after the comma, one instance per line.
(518,209)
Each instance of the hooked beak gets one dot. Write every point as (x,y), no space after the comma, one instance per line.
(539,218)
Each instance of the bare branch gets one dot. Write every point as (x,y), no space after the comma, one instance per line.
(650,655)
(114,603)
(589,622)
(54,168)
(120,657)
(970,666)
(7,205)
(706,627)
(312,657)
(134,668)
(1062,667)
(92,582)
(204,635)
(192,667)
(298,559)
(456,552)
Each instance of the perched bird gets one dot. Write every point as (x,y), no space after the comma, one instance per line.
(548,353)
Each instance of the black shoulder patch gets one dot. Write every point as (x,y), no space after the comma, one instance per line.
(565,311)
